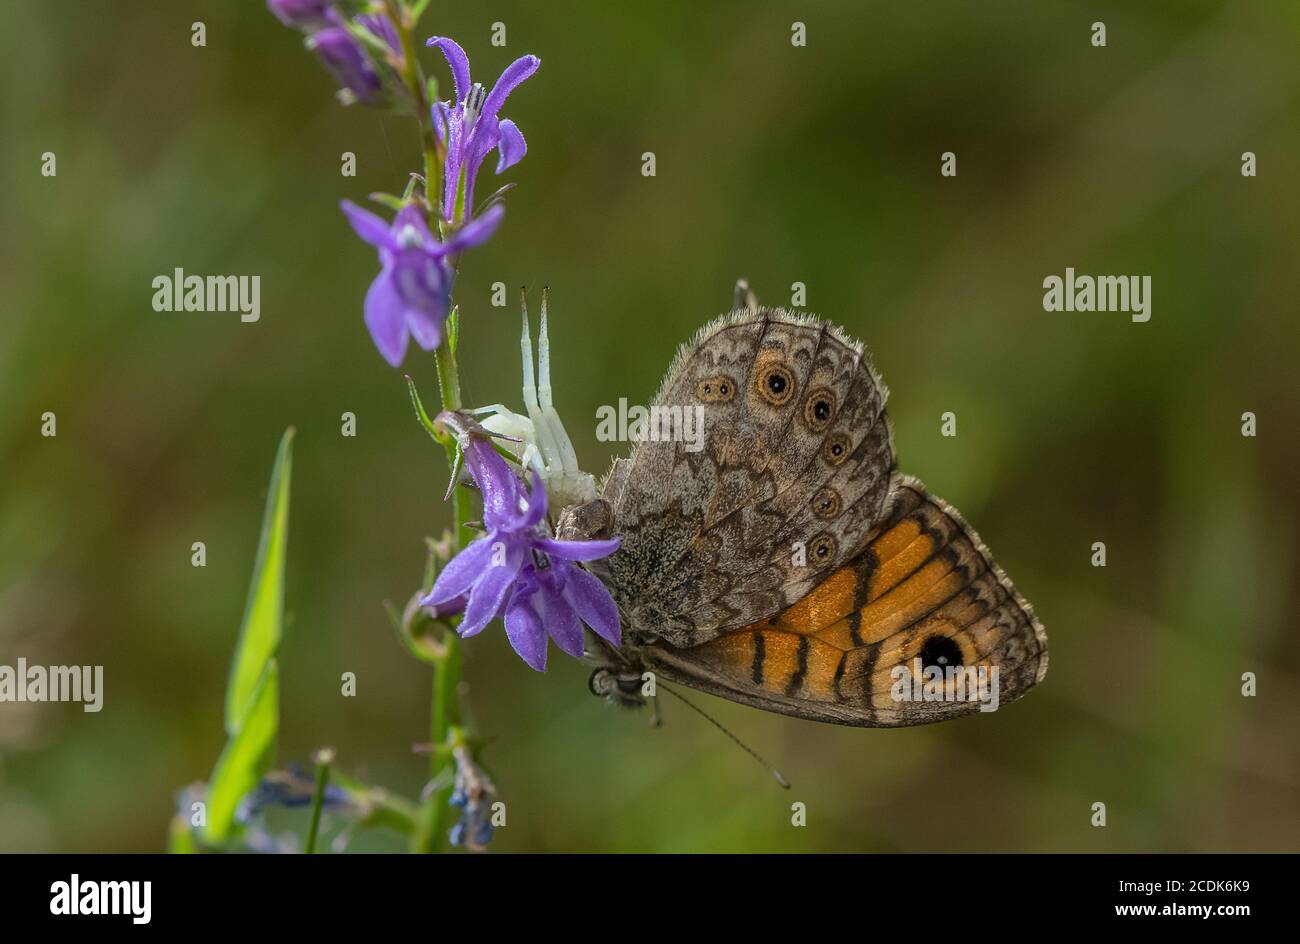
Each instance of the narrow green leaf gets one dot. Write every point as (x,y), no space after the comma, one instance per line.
(259,633)
(453,329)
(246,756)
(390,201)
(423,414)
(180,840)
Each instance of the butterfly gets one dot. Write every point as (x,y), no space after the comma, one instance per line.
(783,561)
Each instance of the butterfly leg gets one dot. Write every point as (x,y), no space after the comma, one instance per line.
(655,720)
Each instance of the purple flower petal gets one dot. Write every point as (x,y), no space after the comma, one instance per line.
(457,61)
(482,139)
(305,15)
(412,216)
(451,170)
(495,481)
(489,592)
(386,318)
(426,329)
(514,74)
(512,147)
(452,607)
(441,119)
(591,599)
(560,620)
(347,61)
(460,573)
(577,550)
(423,282)
(369,227)
(478,230)
(525,631)
(536,510)
(382,27)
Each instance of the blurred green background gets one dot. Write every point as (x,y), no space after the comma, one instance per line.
(782,164)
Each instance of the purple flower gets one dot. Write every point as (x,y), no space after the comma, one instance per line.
(410,295)
(452,607)
(343,55)
(295,787)
(305,15)
(517,568)
(347,61)
(382,27)
(470,128)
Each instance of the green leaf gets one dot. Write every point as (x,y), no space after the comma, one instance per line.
(246,756)
(180,840)
(423,414)
(259,633)
(390,201)
(253,693)
(453,329)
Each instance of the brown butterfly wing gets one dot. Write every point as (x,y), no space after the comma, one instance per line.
(925,584)
(796,451)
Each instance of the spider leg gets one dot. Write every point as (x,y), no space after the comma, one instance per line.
(505,424)
(541,428)
(532,459)
(564,447)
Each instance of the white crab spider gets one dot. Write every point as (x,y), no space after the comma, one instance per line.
(543,445)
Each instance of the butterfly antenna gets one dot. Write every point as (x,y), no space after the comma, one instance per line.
(776,774)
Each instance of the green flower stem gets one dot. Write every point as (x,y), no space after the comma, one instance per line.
(449,388)
(448,377)
(323,759)
(446,676)
(444,716)
(444,721)
(405,20)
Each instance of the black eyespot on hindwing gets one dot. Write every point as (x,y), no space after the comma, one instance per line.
(941,651)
